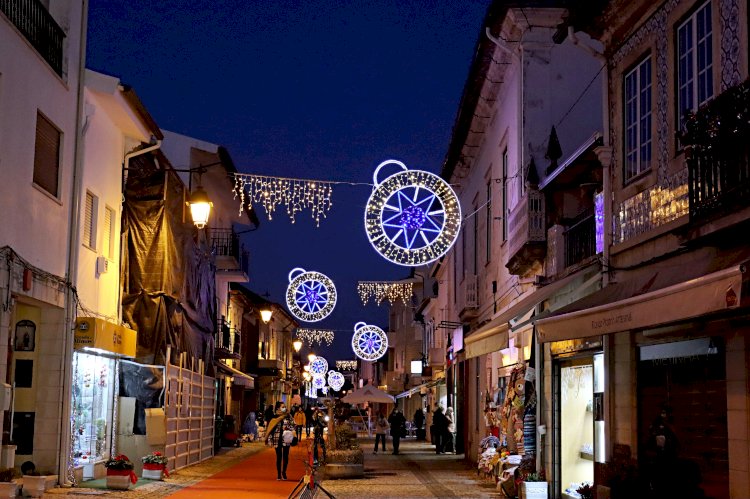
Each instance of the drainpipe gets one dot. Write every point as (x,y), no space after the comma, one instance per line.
(604,154)
(64,466)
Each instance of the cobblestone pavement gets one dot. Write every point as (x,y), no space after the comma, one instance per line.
(416,472)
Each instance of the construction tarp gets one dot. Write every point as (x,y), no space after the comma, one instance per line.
(168,269)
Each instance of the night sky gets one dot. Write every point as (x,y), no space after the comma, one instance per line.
(307,89)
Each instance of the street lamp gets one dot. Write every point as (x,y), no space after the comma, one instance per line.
(200,207)
(311,357)
(265,315)
(297,344)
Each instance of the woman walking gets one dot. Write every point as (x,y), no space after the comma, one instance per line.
(381,429)
(279,435)
(300,420)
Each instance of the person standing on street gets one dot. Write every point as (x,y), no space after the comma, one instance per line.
(419,423)
(440,423)
(309,420)
(319,426)
(398,428)
(279,435)
(450,440)
(300,420)
(381,430)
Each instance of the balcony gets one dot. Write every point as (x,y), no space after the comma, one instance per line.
(33,20)
(470,298)
(527,234)
(717,147)
(228,341)
(229,252)
(580,242)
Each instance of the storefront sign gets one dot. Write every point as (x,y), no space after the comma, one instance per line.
(93,333)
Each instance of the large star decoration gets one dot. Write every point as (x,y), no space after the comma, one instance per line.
(414,220)
(312,296)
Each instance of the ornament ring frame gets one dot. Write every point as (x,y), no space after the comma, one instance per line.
(369,342)
(310,296)
(412,217)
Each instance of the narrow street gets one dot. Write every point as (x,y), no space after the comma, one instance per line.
(249,472)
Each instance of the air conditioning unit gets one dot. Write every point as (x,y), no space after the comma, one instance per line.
(102,265)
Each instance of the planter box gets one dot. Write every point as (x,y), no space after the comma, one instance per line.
(51,482)
(153,471)
(34,486)
(118,479)
(533,490)
(8,489)
(344,470)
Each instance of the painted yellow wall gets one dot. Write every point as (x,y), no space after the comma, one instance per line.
(26,397)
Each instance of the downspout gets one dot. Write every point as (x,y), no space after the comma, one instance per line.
(604,154)
(64,468)
(125,166)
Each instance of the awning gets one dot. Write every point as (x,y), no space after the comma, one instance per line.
(493,336)
(238,377)
(624,306)
(419,388)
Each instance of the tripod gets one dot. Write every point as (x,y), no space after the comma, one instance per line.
(309,485)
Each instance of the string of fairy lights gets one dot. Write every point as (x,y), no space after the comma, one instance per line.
(314,337)
(384,290)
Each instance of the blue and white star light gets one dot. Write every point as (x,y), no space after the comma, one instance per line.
(369,342)
(335,380)
(310,296)
(413,217)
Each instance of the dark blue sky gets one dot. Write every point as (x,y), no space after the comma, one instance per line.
(309,89)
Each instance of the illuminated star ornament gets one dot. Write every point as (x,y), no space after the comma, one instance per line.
(412,217)
(379,290)
(369,342)
(310,296)
(335,380)
(319,367)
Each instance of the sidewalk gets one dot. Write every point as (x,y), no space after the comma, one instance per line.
(250,472)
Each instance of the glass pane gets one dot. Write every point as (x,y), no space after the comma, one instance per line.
(92,410)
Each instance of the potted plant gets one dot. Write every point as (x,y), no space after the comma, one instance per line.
(533,485)
(154,466)
(586,490)
(119,472)
(8,484)
(346,460)
(34,484)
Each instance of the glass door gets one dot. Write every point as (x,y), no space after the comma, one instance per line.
(576,406)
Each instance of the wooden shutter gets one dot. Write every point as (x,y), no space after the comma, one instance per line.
(88,221)
(109,215)
(46,155)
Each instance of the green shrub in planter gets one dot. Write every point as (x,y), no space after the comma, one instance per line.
(347,456)
(346,437)
(8,475)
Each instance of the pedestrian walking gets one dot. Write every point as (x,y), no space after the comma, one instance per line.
(279,435)
(319,426)
(419,423)
(450,431)
(308,420)
(300,420)
(440,428)
(398,428)
(268,415)
(250,426)
(381,430)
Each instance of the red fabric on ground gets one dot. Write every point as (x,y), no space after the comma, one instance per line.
(255,477)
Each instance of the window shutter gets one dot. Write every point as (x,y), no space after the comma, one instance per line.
(88,221)
(108,236)
(46,155)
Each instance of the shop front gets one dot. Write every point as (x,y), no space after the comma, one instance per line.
(99,346)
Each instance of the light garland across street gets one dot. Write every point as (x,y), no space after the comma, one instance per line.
(346,365)
(380,290)
(315,336)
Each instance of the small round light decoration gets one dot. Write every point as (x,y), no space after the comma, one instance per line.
(369,342)
(335,380)
(319,366)
(318,382)
(310,296)
(412,217)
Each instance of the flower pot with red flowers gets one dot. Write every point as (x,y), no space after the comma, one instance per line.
(8,484)
(154,466)
(120,472)
(533,485)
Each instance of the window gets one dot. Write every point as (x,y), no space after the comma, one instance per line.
(455,275)
(638,120)
(694,61)
(475,243)
(47,155)
(89,221)
(488,211)
(463,250)
(505,194)
(108,246)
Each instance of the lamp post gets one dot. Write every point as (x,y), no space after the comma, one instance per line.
(297,344)
(200,207)
(265,315)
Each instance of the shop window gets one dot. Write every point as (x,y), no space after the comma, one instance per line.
(23,432)
(92,407)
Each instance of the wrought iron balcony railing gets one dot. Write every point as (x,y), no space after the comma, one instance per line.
(717,146)
(527,232)
(228,341)
(226,243)
(39,27)
(580,242)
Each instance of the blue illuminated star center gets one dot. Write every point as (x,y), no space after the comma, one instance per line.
(413,218)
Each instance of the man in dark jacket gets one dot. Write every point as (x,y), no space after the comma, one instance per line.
(419,423)
(398,428)
(440,423)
